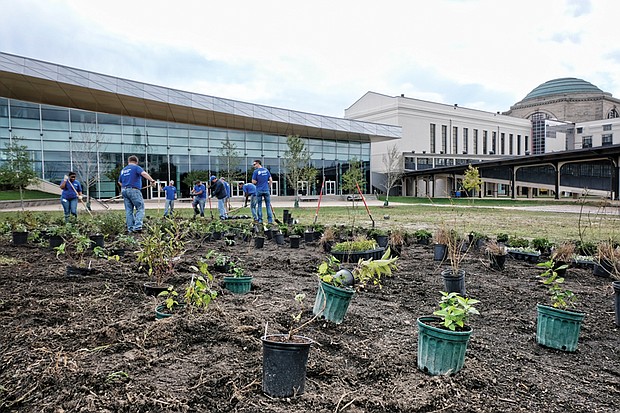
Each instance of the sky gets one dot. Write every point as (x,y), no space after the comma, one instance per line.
(321,56)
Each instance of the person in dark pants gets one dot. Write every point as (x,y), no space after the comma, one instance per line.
(218,190)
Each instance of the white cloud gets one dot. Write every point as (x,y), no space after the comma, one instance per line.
(321,56)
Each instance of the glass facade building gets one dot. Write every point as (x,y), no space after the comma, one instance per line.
(76,120)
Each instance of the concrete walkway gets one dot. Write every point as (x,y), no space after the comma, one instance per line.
(606,207)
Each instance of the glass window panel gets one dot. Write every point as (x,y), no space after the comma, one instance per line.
(24,110)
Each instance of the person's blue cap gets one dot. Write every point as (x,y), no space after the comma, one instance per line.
(213,178)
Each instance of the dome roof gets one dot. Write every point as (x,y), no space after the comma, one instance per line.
(562,86)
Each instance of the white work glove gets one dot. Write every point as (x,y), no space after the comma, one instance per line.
(66,178)
(80,197)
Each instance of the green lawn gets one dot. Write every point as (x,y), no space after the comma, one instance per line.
(14,195)
(461,215)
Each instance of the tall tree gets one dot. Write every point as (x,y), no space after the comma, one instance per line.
(87,161)
(394,170)
(17,172)
(230,159)
(353,177)
(472,180)
(296,158)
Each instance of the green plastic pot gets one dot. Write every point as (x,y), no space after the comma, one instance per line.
(159,312)
(440,351)
(558,329)
(332,302)
(238,285)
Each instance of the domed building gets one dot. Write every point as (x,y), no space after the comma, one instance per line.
(558,106)
(567,99)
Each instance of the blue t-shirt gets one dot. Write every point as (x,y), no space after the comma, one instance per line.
(227,186)
(170,192)
(261,176)
(68,192)
(249,188)
(131,176)
(198,188)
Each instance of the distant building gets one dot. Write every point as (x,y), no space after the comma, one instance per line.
(66,114)
(559,115)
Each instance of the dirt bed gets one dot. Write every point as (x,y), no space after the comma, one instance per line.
(92,344)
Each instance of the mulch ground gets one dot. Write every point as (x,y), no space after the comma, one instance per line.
(92,344)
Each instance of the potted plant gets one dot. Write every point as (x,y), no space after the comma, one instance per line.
(496,253)
(327,239)
(160,249)
(238,282)
(542,245)
(477,239)
(379,235)
(285,357)
(527,254)
(75,249)
(358,248)
(562,256)
(557,326)
(169,304)
(217,229)
(423,236)
(221,262)
(443,337)
(454,277)
(336,290)
(441,238)
(198,294)
(396,241)
(19,232)
(607,257)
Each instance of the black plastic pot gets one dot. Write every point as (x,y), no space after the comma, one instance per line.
(269,234)
(497,261)
(603,268)
(454,283)
(152,289)
(56,241)
(382,240)
(440,252)
(259,242)
(72,271)
(284,365)
(279,237)
(295,241)
(20,238)
(355,256)
(308,236)
(96,241)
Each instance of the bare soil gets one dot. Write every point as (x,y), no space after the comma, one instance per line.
(92,344)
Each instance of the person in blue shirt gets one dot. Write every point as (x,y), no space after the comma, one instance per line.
(171,194)
(262,179)
(200,197)
(227,200)
(130,180)
(218,190)
(71,193)
(249,191)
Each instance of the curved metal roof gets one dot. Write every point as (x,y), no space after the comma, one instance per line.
(562,86)
(43,82)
